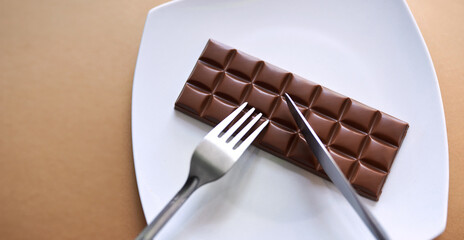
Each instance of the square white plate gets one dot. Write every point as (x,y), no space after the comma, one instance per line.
(371,51)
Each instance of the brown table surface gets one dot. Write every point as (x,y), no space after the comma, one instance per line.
(66,71)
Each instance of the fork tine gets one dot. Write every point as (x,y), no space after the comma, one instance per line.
(244,145)
(237,125)
(223,124)
(247,128)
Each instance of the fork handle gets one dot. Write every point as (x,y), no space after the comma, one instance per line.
(169,210)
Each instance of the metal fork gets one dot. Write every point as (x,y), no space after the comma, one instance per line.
(213,157)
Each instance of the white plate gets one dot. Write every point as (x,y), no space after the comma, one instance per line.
(371,51)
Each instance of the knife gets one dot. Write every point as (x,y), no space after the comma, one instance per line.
(334,173)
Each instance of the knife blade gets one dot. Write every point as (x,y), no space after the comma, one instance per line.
(333,171)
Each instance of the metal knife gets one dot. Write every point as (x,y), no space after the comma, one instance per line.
(334,173)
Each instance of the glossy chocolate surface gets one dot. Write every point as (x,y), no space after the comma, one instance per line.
(363,141)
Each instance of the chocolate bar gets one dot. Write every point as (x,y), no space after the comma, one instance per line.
(363,141)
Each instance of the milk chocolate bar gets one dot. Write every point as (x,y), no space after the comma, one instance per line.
(363,141)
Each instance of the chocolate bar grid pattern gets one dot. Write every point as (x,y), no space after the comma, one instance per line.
(363,141)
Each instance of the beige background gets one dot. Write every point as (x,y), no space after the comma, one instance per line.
(66,69)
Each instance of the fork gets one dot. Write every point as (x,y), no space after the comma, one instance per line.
(213,157)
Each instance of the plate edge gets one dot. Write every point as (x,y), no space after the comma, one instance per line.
(150,12)
(441,228)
